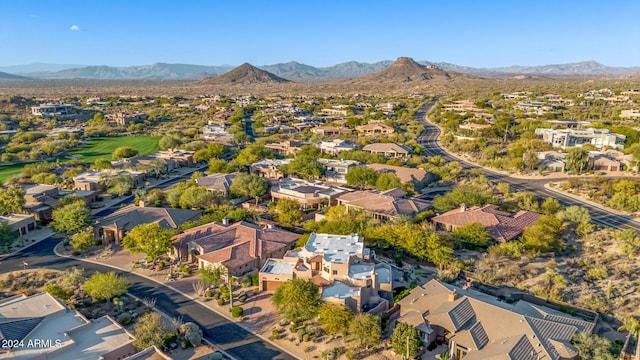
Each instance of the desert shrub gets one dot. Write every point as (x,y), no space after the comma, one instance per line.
(208,293)
(221,301)
(124,318)
(75,253)
(305,337)
(300,333)
(275,333)
(237,311)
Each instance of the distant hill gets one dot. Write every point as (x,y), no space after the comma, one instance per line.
(296,71)
(579,68)
(36,67)
(5,76)
(406,70)
(158,71)
(245,74)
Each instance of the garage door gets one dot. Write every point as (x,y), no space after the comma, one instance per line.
(270,285)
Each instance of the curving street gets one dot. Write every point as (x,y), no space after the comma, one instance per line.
(429,140)
(225,334)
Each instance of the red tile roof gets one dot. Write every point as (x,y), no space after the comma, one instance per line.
(235,244)
(502,225)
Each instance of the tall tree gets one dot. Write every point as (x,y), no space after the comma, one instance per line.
(472,195)
(366,329)
(387,181)
(288,212)
(544,235)
(11,199)
(473,234)
(249,185)
(577,161)
(406,340)
(71,218)
(297,300)
(150,239)
(196,197)
(83,241)
(335,318)
(120,185)
(592,346)
(362,177)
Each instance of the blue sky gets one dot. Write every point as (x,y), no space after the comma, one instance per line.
(478,33)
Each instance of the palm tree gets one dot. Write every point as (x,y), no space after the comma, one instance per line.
(631,324)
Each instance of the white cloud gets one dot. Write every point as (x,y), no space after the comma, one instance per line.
(74,28)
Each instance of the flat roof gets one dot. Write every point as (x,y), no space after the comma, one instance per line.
(384,275)
(340,290)
(336,248)
(361,271)
(278,267)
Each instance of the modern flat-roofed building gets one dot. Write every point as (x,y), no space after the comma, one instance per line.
(21,224)
(567,138)
(336,170)
(50,110)
(307,193)
(341,265)
(333,147)
(123,118)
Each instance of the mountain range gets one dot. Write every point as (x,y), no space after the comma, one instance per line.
(296,71)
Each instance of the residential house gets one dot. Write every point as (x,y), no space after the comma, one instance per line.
(59,333)
(241,247)
(476,326)
(417,178)
(96,180)
(602,162)
(341,265)
(50,110)
(307,193)
(375,128)
(286,147)
(39,201)
(552,160)
(336,170)
(389,150)
(330,130)
(630,114)
(216,132)
(21,224)
(182,157)
(566,138)
(114,227)
(503,226)
(219,183)
(383,205)
(124,118)
(333,147)
(269,168)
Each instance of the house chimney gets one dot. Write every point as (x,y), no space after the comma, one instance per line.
(463,207)
(453,295)
(225,221)
(141,203)
(269,226)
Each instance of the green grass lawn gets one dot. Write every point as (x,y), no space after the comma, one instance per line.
(103,147)
(95,149)
(8,171)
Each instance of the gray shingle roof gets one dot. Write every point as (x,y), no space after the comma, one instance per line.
(18,329)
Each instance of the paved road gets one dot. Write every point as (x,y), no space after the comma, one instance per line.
(225,334)
(429,140)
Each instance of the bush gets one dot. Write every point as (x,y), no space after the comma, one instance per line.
(300,333)
(275,333)
(158,203)
(221,301)
(237,311)
(186,269)
(217,296)
(75,253)
(124,318)
(171,338)
(305,337)
(159,267)
(309,348)
(293,328)
(208,293)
